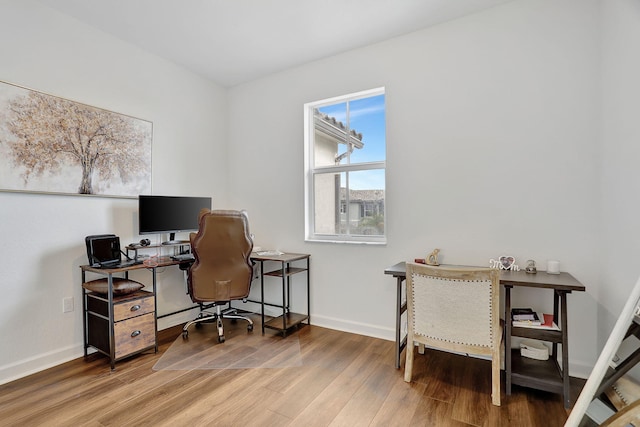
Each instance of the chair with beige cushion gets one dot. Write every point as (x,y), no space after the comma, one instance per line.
(222,271)
(455,310)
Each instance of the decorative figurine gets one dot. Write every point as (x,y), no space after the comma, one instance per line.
(531,267)
(432,258)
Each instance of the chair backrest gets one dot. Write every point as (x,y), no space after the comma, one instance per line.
(222,247)
(454,309)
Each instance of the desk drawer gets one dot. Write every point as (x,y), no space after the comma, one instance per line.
(136,307)
(134,334)
(122,304)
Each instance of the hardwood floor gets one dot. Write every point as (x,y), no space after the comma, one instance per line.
(345,380)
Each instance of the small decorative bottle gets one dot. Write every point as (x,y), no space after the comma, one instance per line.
(531,267)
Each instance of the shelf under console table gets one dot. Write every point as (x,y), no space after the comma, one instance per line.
(549,375)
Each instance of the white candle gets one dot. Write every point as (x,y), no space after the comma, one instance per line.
(553,267)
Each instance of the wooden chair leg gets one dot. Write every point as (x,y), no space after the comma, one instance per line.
(495,380)
(408,364)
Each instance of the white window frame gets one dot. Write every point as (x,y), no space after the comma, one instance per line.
(310,170)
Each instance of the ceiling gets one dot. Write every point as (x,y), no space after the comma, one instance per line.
(235,41)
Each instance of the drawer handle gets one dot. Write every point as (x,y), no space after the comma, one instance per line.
(135,334)
(135,308)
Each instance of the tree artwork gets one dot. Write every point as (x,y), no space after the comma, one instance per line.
(46,136)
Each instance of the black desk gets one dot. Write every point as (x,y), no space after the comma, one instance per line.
(543,375)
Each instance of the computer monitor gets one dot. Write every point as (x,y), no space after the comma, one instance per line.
(170,214)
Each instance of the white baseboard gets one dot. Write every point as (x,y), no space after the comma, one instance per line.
(579,370)
(366,329)
(14,371)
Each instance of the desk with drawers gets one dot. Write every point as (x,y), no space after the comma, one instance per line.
(120,326)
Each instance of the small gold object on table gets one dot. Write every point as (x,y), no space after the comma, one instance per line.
(432,258)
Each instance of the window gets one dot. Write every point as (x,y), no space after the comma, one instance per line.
(345,155)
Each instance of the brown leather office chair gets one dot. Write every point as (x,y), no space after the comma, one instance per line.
(222,270)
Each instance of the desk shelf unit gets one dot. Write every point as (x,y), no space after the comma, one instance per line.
(288,319)
(550,375)
(181,247)
(539,374)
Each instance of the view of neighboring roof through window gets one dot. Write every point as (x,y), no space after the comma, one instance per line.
(345,153)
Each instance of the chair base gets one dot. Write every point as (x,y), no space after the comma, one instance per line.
(218,316)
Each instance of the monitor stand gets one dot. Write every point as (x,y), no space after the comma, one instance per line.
(172,240)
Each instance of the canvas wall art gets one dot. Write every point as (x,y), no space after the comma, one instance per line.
(50,144)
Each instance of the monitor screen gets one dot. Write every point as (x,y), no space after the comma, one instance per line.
(169,214)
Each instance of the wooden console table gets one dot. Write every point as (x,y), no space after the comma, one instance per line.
(545,375)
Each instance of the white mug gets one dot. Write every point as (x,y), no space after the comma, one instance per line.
(553,267)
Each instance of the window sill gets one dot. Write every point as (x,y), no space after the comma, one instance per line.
(348,242)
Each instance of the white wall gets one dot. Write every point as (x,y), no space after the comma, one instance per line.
(493,125)
(44,234)
(620,153)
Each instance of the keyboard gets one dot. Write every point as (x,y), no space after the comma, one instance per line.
(183,257)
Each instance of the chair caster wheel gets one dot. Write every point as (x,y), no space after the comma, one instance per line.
(249,327)
(185,335)
(221,339)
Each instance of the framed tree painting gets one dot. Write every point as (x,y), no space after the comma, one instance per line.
(53,145)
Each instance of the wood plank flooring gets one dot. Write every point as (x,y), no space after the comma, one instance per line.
(346,380)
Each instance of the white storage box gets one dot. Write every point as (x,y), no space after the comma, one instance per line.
(534,350)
